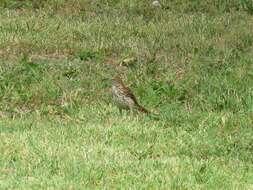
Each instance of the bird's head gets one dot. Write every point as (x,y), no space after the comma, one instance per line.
(117,80)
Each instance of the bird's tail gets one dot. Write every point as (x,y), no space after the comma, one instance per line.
(143,110)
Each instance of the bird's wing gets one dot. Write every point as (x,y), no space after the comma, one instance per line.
(130,94)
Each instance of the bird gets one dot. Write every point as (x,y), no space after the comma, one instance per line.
(124,98)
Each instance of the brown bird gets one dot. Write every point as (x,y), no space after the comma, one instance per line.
(124,98)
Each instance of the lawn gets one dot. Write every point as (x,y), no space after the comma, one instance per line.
(191,66)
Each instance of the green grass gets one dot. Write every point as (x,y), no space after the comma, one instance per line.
(192,66)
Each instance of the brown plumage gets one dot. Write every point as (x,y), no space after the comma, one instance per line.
(123,97)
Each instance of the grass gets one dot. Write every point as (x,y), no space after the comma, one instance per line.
(191,65)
